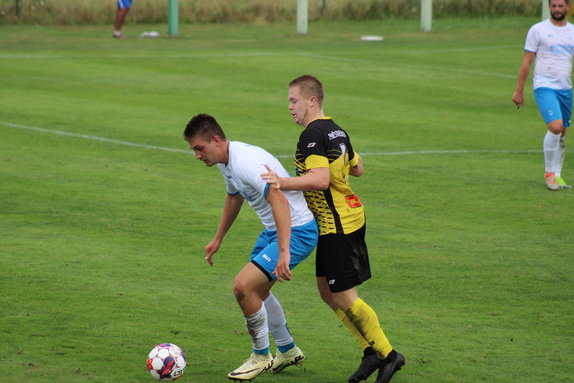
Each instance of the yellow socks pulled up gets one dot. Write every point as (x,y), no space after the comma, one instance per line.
(365,321)
(347,322)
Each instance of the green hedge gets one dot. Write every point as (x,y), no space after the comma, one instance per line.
(59,12)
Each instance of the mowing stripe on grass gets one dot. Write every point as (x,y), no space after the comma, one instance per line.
(258,54)
(440,69)
(243,54)
(109,140)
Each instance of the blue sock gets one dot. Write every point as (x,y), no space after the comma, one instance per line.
(265,351)
(287,347)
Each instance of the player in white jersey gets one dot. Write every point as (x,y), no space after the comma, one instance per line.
(289,237)
(551,44)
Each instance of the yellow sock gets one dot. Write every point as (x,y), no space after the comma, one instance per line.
(366,322)
(347,322)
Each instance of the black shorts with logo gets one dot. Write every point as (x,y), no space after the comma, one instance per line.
(343,259)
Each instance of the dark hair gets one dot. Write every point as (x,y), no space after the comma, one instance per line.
(205,126)
(310,86)
(566,1)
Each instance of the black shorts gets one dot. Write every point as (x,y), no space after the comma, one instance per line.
(343,259)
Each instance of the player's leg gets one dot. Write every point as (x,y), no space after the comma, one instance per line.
(123,7)
(352,261)
(251,286)
(302,244)
(370,361)
(248,286)
(288,354)
(342,265)
(551,148)
(327,297)
(549,107)
(330,263)
(386,360)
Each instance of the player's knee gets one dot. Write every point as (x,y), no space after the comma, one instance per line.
(555,126)
(239,290)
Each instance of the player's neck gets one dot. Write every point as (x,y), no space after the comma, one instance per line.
(315,116)
(224,153)
(558,23)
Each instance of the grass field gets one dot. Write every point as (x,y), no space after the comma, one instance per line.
(105,211)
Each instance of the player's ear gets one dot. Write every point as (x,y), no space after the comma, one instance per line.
(312,101)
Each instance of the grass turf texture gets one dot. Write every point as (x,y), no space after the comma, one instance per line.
(102,243)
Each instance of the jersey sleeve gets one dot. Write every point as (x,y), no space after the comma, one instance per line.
(229,187)
(252,168)
(251,175)
(353,158)
(532,40)
(313,149)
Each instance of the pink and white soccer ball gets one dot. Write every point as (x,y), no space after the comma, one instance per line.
(166,362)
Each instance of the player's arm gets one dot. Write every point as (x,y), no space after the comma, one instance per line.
(314,179)
(231,209)
(518,96)
(357,170)
(282,217)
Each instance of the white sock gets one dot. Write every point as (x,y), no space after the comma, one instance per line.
(551,145)
(276,321)
(257,329)
(560,158)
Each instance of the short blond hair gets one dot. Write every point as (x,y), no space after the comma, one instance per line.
(310,86)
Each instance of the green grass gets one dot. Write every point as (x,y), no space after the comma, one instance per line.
(101,243)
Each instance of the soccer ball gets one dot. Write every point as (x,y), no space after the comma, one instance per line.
(166,362)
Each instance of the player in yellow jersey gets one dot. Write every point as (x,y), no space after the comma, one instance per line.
(324,160)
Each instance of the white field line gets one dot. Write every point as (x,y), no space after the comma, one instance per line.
(86,137)
(144,146)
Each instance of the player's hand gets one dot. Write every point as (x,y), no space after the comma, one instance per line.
(272,178)
(518,99)
(211,249)
(282,271)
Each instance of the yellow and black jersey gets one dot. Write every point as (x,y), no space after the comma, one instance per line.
(323,144)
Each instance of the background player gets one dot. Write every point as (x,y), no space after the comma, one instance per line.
(550,43)
(123,7)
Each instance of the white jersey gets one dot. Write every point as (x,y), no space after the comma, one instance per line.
(242,174)
(554,47)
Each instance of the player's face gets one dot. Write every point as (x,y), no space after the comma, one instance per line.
(298,105)
(558,9)
(205,151)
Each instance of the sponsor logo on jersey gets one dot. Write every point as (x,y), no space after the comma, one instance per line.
(336,133)
(562,48)
(353,201)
